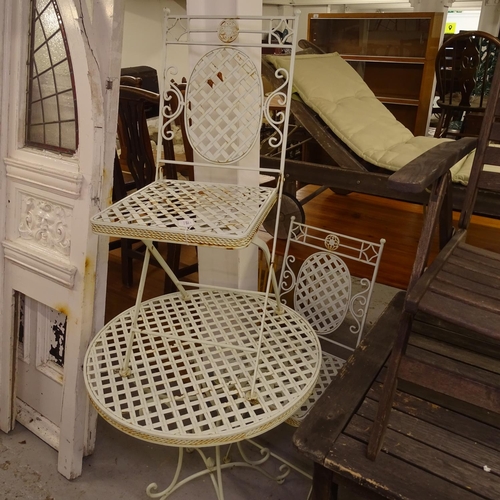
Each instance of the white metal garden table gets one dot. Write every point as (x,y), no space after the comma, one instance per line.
(191,372)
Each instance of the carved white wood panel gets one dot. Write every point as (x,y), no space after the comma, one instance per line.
(48,252)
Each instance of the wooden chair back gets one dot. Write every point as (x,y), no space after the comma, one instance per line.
(464,70)
(133,133)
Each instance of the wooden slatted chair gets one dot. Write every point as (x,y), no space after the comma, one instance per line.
(133,135)
(464,69)
(328,278)
(461,286)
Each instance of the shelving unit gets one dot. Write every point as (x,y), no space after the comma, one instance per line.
(394,53)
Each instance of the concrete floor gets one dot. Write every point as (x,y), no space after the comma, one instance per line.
(121,466)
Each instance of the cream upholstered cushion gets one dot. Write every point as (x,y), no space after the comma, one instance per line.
(334,90)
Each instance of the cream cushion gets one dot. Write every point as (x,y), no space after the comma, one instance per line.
(334,90)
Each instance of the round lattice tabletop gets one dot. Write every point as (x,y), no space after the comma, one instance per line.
(192,367)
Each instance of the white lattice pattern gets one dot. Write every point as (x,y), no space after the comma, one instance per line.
(327,295)
(224,99)
(223,215)
(330,367)
(322,291)
(188,386)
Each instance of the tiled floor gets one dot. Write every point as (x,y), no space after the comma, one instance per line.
(121,466)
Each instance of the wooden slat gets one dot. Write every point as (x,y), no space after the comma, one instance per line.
(467,296)
(485,322)
(463,278)
(466,356)
(416,293)
(332,411)
(492,155)
(446,361)
(389,476)
(446,382)
(474,252)
(477,266)
(462,425)
(437,328)
(490,181)
(437,437)
(443,466)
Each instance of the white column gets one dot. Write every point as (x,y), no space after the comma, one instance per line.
(233,268)
(489,20)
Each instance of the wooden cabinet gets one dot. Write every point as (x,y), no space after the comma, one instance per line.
(394,53)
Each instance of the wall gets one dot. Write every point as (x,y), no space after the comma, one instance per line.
(465,20)
(142,38)
(143,29)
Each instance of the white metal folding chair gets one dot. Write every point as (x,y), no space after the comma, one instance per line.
(224,107)
(328,278)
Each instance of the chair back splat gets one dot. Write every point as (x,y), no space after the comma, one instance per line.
(464,70)
(459,291)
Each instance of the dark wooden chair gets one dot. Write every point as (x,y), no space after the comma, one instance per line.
(133,135)
(464,69)
(460,287)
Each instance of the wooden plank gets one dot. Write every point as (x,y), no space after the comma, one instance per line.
(485,322)
(421,286)
(375,184)
(437,436)
(467,295)
(447,362)
(454,352)
(390,477)
(486,256)
(462,425)
(492,154)
(440,467)
(437,328)
(458,277)
(471,390)
(490,181)
(330,414)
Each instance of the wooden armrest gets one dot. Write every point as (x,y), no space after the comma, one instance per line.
(328,417)
(428,167)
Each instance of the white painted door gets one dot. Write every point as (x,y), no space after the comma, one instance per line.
(54,174)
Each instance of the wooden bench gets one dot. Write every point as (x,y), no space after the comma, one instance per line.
(435,448)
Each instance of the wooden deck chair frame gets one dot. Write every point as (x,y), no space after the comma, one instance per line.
(461,286)
(349,173)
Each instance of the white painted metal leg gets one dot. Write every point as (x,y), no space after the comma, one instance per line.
(215,467)
(159,258)
(267,254)
(125,370)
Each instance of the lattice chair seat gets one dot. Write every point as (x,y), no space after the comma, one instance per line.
(317,280)
(197,213)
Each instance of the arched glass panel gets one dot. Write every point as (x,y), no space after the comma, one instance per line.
(52,119)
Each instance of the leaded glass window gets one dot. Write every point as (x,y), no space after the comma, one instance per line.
(51,121)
